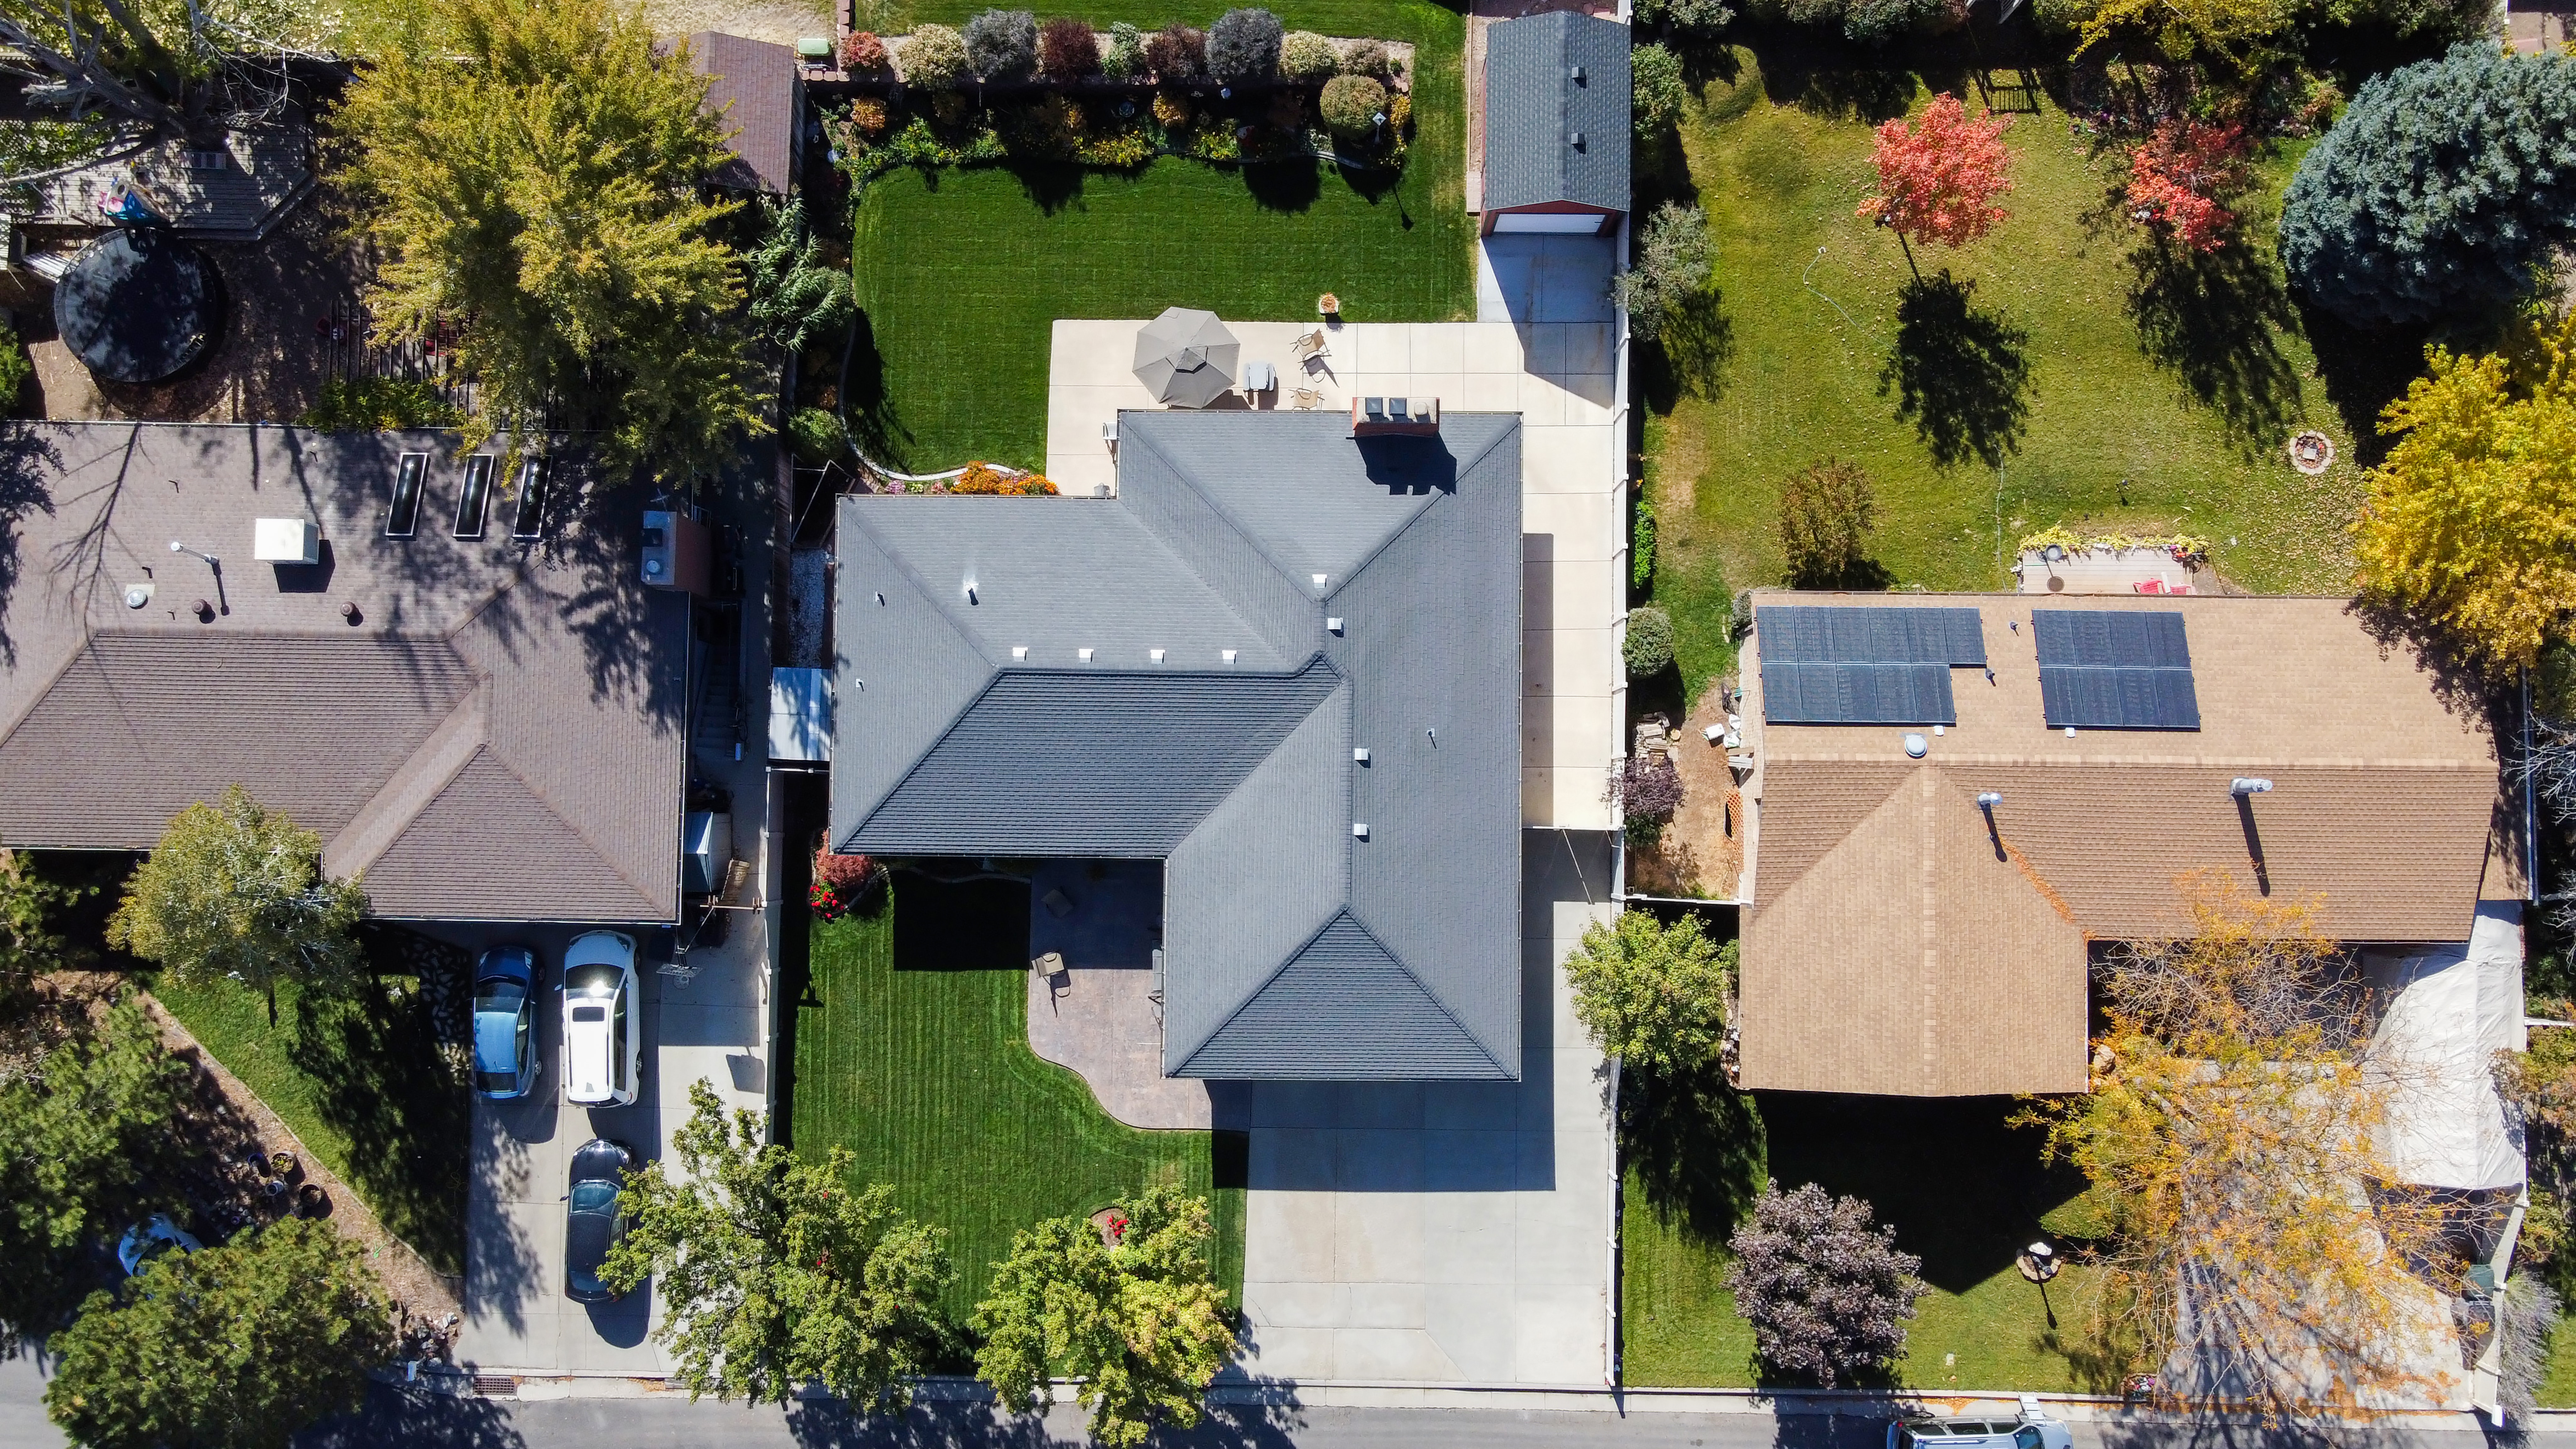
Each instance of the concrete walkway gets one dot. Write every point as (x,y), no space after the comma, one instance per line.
(1443,1232)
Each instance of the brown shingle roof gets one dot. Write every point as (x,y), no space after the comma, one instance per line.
(552,667)
(751,85)
(1892,945)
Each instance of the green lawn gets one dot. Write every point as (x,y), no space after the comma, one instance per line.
(912,1051)
(961,272)
(1963,1192)
(2119,395)
(360,1080)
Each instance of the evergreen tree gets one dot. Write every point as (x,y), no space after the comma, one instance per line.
(2444,186)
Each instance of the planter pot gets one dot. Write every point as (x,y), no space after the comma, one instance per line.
(312,1202)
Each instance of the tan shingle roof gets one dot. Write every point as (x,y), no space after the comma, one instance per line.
(1892,945)
(472,663)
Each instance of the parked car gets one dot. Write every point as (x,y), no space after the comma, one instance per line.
(601,1051)
(2031,1429)
(592,1223)
(149,1239)
(506,1060)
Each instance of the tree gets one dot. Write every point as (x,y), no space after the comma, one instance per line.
(2445,186)
(2470,521)
(1067,49)
(1244,45)
(1657,94)
(1647,648)
(1002,44)
(797,297)
(933,57)
(1672,267)
(1691,19)
(1876,22)
(1826,512)
(2181,179)
(2231,1136)
(774,1273)
(234,890)
(1938,181)
(88,1137)
(30,945)
(1827,1294)
(2235,33)
(232,1347)
(1136,1318)
(531,172)
(1652,995)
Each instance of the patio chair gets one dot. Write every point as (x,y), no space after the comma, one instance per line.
(2148,586)
(1305,397)
(1310,346)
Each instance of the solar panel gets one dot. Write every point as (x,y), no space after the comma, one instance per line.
(1805,692)
(2114,669)
(1857,634)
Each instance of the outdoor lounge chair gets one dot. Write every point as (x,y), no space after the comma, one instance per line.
(1305,397)
(1311,346)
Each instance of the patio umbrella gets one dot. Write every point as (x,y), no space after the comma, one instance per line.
(1187,357)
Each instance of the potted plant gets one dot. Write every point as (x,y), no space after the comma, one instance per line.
(1328,305)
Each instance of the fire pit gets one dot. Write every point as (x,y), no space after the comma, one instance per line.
(2312,453)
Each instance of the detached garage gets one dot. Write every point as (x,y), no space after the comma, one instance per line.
(1556,124)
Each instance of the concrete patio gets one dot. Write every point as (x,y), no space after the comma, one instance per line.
(1097,1017)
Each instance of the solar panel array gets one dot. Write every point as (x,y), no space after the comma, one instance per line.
(1829,664)
(2114,669)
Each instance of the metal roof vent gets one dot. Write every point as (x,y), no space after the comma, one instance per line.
(1916,747)
(2242,786)
(1154,654)
(1320,579)
(1334,624)
(1359,754)
(1575,75)
(137,595)
(1576,140)
(1359,829)
(1083,654)
(1019,651)
(286,541)
(1228,655)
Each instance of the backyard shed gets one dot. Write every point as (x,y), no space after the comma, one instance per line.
(1556,124)
(754,88)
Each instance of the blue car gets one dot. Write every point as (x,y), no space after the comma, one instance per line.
(505,1023)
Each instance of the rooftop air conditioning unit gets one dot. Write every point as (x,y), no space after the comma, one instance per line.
(675,551)
(286,541)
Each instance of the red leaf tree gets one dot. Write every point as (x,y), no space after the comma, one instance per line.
(2181,179)
(1938,181)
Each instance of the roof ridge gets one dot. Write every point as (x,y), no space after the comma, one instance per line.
(1233,525)
(1342,913)
(1464,468)
(902,564)
(415,783)
(492,752)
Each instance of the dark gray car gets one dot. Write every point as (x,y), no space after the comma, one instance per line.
(592,1224)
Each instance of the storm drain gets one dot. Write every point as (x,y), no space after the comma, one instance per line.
(496,1386)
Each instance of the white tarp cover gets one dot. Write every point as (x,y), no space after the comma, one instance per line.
(2446,1012)
(800,715)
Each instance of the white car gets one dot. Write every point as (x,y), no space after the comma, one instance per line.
(601,1034)
(2029,1429)
(149,1239)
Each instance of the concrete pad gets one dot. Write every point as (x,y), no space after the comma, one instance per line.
(1385,1305)
(1392,1353)
(1542,402)
(1557,461)
(1474,1325)
(1546,356)
(1490,392)
(1437,347)
(1298,1305)
(1582,524)
(1587,352)
(1570,593)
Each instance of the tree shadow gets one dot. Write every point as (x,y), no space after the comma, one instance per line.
(1689,357)
(29,462)
(2213,319)
(384,1079)
(1050,185)
(1290,186)
(1865,575)
(1698,1148)
(2465,684)
(866,405)
(1960,374)
(2363,370)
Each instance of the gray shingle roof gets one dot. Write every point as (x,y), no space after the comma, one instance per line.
(496,736)
(1534,108)
(1294,948)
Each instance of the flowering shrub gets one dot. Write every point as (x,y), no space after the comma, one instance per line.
(1826,1289)
(840,881)
(862,51)
(1306,56)
(933,56)
(1350,105)
(985,478)
(2181,177)
(1067,50)
(868,117)
(1399,112)
(1938,183)
(1172,109)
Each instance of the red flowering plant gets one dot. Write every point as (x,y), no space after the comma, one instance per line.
(2181,178)
(839,882)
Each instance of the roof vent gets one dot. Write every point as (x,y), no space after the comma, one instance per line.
(1334,624)
(1019,651)
(1989,799)
(1359,829)
(137,595)
(1154,654)
(1916,747)
(2242,786)
(1359,754)
(1576,140)
(1575,75)
(1320,579)
(1083,654)
(1228,655)
(286,541)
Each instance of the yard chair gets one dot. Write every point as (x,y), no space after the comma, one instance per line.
(1305,397)
(1310,346)
(2148,586)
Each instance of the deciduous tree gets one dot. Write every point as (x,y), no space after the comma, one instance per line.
(1937,181)
(774,1273)
(88,1135)
(1827,1293)
(1137,1319)
(1652,995)
(1657,94)
(2233,33)
(2471,519)
(1672,267)
(235,1347)
(1827,510)
(2231,1137)
(531,172)
(2446,185)
(2182,178)
(235,890)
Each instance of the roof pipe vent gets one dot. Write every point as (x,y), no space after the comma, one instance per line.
(1989,799)
(1575,75)
(2244,785)
(1083,654)
(1576,140)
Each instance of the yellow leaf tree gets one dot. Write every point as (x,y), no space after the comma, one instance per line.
(2257,1247)
(2471,521)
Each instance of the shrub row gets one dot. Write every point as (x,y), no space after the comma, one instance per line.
(1245,46)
